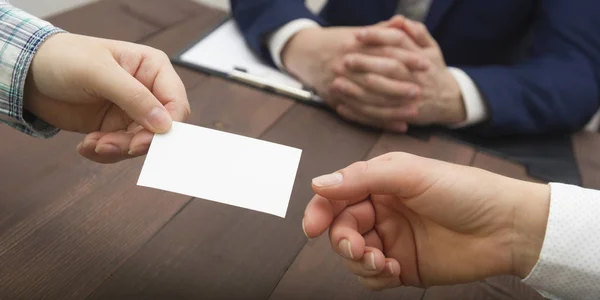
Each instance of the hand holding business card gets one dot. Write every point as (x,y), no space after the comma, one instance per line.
(222,167)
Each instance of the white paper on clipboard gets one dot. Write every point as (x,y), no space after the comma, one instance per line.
(225,49)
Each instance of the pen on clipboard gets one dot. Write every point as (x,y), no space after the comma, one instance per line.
(242,75)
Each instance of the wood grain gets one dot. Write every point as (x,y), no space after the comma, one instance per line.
(436,148)
(501,166)
(104,19)
(164,14)
(220,252)
(175,38)
(67,232)
(220,104)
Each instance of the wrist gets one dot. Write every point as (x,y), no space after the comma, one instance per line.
(532,207)
(455,104)
(298,49)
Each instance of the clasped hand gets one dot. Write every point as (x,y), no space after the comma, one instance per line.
(388,75)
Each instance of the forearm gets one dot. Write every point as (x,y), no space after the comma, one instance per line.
(20,36)
(540,97)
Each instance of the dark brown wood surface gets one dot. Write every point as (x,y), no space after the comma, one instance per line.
(72,229)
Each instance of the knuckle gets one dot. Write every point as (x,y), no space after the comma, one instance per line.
(370,79)
(387,52)
(400,156)
(393,66)
(360,167)
(138,95)
(348,46)
(162,56)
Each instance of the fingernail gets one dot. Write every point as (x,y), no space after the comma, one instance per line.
(87,144)
(159,119)
(390,267)
(107,149)
(139,150)
(304,229)
(369,262)
(346,248)
(328,180)
(79,146)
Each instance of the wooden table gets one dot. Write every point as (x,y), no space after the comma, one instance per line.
(71,229)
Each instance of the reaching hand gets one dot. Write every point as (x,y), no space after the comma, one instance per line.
(116,92)
(400,219)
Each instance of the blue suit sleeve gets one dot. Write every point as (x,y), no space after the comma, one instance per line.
(259,18)
(556,88)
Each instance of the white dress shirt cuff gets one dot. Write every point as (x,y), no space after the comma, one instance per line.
(279,38)
(568,267)
(474,104)
(594,124)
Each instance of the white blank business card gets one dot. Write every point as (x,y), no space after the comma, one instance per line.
(222,167)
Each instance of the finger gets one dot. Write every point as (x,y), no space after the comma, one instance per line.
(371,264)
(398,174)
(170,91)
(419,33)
(114,143)
(153,69)
(397,21)
(140,143)
(90,142)
(388,278)
(355,116)
(118,86)
(372,239)
(319,214)
(383,115)
(344,90)
(384,66)
(347,229)
(385,86)
(386,37)
(87,148)
(367,108)
(412,60)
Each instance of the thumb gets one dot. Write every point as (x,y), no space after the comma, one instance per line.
(118,86)
(395,174)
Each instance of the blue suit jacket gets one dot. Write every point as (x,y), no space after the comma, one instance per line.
(536,62)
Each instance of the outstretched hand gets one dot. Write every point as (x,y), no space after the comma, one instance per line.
(400,219)
(117,93)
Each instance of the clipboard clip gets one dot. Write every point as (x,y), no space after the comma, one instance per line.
(243,76)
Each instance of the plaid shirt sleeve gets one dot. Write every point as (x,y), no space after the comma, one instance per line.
(21,34)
